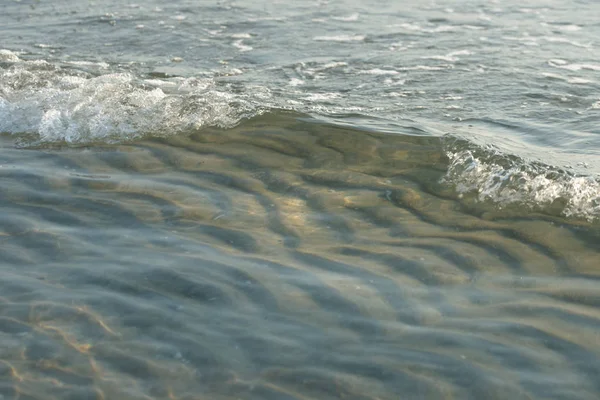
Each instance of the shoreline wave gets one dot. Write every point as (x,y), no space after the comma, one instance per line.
(484,173)
(44,104)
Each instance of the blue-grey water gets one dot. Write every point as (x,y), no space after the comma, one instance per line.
(299,200)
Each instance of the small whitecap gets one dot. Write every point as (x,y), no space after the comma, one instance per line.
(334,64)
(452,97)
(296,82)
(525,10)
(340,38)
(7,55)
(440,58)
(241,36)
(490,175)
(322,96)
(460,53)
(397,94)
(348,18)
(100,64)
(394,82)
(409,26)
(426,68)
(579,67)
(158,82)
(579,81)
(234,71)
(378,71)
(450,57)
(473,27)
(441,29)
(239,44)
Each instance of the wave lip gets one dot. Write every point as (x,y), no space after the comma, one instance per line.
(42,102)
(484,173)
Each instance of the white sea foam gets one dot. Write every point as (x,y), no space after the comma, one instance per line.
(296,82)
(9,56)
(450,57)
(427,68)
(52,104)
(378,71)
(102,65)
(563,28)
(340,38)
(574,66)
(244,35)
(322,96)
(348,18)
(441,28)
(489,175)
(334,64)
(579,67)
(239,44)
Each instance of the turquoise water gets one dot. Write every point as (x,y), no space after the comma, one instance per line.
(326,200)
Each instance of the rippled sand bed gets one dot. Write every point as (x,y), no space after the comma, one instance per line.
(284,259)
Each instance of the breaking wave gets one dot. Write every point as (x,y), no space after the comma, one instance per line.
(46,103)
(485,173)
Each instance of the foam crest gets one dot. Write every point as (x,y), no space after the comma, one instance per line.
(44,103)
(484,173)
(7,55)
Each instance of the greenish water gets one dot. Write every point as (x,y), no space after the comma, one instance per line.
(284,258)
(325,200)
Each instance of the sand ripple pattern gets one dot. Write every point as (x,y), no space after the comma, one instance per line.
(283,259)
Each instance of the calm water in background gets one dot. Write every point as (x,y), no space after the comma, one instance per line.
(324,200)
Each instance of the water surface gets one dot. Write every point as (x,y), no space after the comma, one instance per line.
(299,201)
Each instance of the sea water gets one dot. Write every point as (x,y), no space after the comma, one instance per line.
(299,200)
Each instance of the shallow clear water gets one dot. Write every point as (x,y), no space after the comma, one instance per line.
(279,201)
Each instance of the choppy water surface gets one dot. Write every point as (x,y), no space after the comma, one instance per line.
(324,200)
